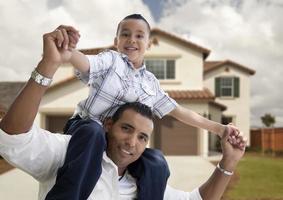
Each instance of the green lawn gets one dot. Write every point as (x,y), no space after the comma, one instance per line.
(259,178)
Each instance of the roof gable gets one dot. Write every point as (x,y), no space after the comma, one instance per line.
(156,32)
(180,40)
(212,65)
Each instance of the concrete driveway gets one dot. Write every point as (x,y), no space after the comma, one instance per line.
(187,172)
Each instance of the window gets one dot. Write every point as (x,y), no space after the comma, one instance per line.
(226,120)
(163,69)
(227,87)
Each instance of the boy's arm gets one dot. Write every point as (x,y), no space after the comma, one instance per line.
(194,119)
(215,186)
(80,61)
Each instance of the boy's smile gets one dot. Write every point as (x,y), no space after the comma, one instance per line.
(133,40)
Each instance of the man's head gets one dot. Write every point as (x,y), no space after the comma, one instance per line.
(132,38)
(128,133)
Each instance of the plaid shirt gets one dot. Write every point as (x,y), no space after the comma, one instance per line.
(113,81)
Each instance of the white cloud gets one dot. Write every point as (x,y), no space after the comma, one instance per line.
(23,23)
(248,32)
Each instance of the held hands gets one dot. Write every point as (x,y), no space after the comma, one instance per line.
(233,146)
(235,137)
(58,45)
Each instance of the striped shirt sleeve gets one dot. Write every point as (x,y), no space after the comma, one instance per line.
(163,104)
(98,64)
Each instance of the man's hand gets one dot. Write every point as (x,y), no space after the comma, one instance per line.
(233,150)
(235,137)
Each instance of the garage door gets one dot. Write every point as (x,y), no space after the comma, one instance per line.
(175,138)
(56,123)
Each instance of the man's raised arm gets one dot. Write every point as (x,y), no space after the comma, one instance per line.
(215,186)
(57,49)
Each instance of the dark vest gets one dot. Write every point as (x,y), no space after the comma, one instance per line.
(82,167)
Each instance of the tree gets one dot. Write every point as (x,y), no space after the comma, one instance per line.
(268,120)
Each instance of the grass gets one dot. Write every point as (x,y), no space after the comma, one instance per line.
(257,178)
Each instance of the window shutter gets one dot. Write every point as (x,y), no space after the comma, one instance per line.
(217,87)
(236,87)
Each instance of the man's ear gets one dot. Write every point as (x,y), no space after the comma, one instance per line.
(108,124)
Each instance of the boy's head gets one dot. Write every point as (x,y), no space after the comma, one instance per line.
(133,38)
(134,16)
(128,133)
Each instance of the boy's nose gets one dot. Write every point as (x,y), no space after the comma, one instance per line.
(132,40)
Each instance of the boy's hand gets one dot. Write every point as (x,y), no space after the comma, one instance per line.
(67,37)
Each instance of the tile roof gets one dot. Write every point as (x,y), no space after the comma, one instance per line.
(94,51)
(204,94)
(8,92)
(191,94)
(211,65)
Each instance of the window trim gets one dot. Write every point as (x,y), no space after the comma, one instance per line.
(164,60)
(235,87)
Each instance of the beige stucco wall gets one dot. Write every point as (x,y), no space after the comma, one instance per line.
(63,72)
(61,101)
(189,64)
(239,108)
(204,108)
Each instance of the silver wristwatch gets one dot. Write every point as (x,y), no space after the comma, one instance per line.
(40,79)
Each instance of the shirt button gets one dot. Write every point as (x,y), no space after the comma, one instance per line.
(136,75)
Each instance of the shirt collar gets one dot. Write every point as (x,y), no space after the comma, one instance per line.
(141,70)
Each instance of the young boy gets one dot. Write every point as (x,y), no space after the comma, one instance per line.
(118,77)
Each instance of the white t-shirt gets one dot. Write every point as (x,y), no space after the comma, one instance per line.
(41,153)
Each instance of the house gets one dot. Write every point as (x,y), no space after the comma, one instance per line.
(8,93)
(218,90)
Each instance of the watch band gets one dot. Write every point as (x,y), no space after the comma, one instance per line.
(40,79)
(228,173)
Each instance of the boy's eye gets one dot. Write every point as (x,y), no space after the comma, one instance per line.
(124,34)
(140,36)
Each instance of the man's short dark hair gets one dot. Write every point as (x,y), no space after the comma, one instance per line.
(134,16)
(140,108)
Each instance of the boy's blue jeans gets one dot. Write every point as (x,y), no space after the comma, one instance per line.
(82,167)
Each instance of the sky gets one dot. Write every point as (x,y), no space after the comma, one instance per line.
(248,32)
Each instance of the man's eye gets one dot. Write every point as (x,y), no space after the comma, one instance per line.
(143,138)
(125,128)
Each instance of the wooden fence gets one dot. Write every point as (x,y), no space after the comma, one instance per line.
(267,138)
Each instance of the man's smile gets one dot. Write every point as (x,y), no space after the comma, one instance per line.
(127,152)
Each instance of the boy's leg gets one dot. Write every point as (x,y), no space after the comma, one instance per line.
(82,168)
(71,123)
(151,171)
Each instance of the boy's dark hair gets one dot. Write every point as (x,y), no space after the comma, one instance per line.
(134,16)
(140,108)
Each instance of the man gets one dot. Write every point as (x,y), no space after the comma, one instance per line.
(41,154)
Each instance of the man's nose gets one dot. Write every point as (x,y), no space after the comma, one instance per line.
(132,141)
